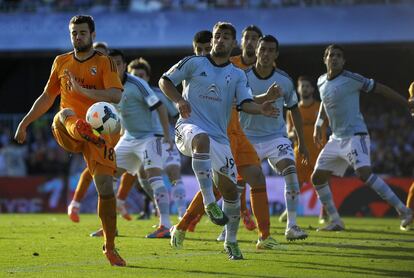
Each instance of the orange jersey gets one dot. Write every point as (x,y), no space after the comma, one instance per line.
(309,115)
(97,72)
(234,124)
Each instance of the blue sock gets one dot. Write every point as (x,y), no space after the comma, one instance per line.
(386,193)
(291,194)
(232,210)
(201,164)
(325,196)
(178,194)
(162,200)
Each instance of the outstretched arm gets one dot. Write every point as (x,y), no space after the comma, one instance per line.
(40,107)
(266,108)
(390,93)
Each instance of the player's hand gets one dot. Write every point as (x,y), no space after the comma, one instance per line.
(170,142)
(184,108)
(269,110)
(317,136)
(303,153)
(21,134)
(71,82)
(274,92)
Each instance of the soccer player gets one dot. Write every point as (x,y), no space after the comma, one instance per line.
(308,108)
(171,157)
(410,197)
(212,84)
(269,136)
(81,78)
(139,146)
(85,178)
(248,166)
(349,143)
(202,43)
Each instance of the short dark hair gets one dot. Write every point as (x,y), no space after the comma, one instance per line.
(140,63)
(203,36)
(225,26)
(79,19)
(269,38)
(306,78)
(253,28)
(117,52)
(333,46)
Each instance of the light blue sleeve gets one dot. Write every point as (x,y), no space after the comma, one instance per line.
(291,98)
(362,83)
(243,91)
(180,71)
(150,97)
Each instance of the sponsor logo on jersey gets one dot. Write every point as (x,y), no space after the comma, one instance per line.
(94,70)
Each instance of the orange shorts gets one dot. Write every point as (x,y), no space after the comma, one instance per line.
(99,160)
(243,151)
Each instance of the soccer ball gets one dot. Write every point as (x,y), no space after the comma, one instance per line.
(103,117)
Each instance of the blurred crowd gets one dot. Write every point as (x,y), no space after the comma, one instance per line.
(157,5)
(392,143)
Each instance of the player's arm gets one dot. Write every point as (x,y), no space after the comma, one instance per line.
(110,95)
(317,131)
(266,108)
(163,114)
(297,122)
(273,92)
(168,88)
(42,104)
(391,94)
(290,127)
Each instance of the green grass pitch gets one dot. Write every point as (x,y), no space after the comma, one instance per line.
(49,245)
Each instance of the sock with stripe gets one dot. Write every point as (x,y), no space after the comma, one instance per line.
(325,196)
(291,194)
(162,200)
(232,210)
(178,194)
(385,192)
(201,164)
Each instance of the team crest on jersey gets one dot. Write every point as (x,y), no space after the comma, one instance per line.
(94,70)
(228,78)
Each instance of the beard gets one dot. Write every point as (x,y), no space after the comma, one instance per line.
(250,52)
(221,53)
(83,48)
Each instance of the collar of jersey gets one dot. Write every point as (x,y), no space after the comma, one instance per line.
(263,78)
(81,61)
(214,63)
(335,76)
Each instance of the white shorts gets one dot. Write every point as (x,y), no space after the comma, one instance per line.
(338,154)
(171,157)
(131,153)
(275,150)
(222,160)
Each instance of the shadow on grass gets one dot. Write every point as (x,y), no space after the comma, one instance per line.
(323,235)
(197,272)
(357,256)
(353,269)
(360,247)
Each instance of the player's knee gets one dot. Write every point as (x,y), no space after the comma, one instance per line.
(201,143)
(364,173)
(256,177)
(64,113)
(318,178)
(104,185)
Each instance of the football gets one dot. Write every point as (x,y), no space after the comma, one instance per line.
(103,117)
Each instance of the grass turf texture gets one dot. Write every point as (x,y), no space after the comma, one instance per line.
(49,245)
